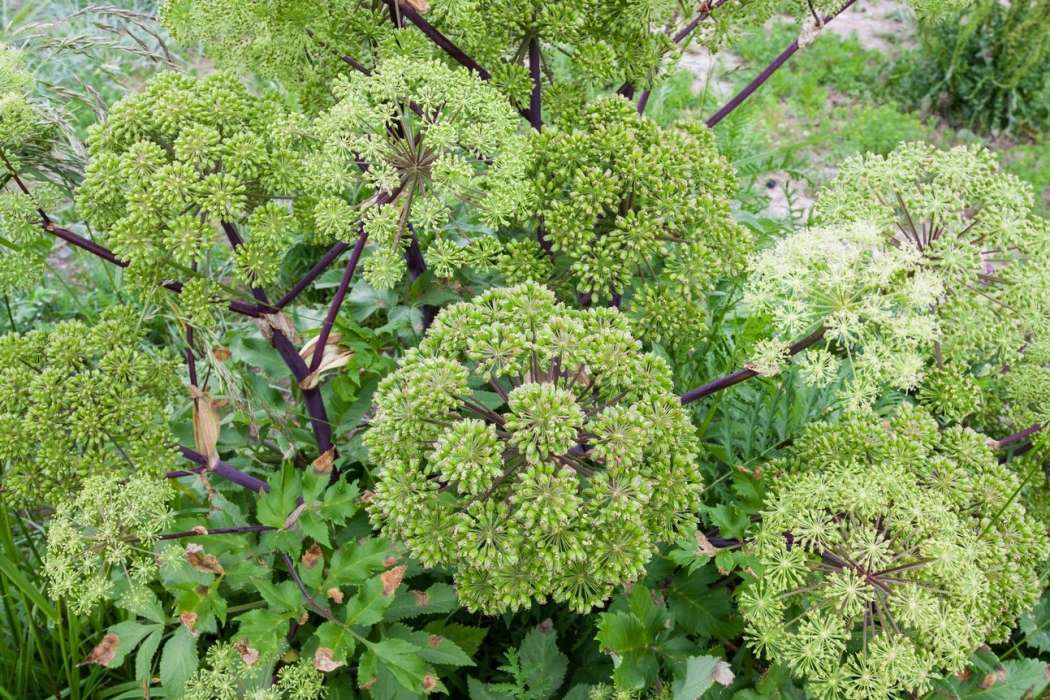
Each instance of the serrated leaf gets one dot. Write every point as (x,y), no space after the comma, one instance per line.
(432,647)
(278,503)
(128,635)
(337,638)
(178,661)
(402,660)
(340,502)
(1023,678)
(699,676)
(439,598)
(542,663)
(144,656)
(354,563)
(1036,624)
(701,610)
(466,638)
(264,629)
(368,604)
(480,691)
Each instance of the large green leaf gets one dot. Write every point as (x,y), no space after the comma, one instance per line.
(699,675)
(178,660)
(543,666)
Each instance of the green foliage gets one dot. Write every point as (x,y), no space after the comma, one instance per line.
(534,449)
(985,67)
(887,552)
(83,401)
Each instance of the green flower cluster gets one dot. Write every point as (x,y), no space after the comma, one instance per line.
(174,163)
(534,449)
(110,526)
(640,211)
(973,231)
(872,298)
(26,135)
(612,41)
(81,401)
(434,139)
(887,554)
(227,675)
(300,43)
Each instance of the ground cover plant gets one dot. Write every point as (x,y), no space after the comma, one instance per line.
(391,349)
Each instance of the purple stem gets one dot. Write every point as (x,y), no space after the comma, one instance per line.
(535,109)
(327,259)
(222,469)
(743,374)
(311,397)
(337,301)
(1020,435)
(766,73)
(216,531)
(417,265)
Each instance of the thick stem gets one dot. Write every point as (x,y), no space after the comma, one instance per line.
(216,531)
(327,259)
(417,266)
(766,73)
(337,300)
(1018,436)
(222,469)
(743,374)
(535,109)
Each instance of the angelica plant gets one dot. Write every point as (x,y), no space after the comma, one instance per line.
(534,449)
(104,535)
(640,212)
(887,553)
(186,164)
(83,401)
(432,139)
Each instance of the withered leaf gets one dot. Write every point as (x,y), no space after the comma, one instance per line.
(392,579)
(104,651)
(249,654)
(324,660)
(200,561)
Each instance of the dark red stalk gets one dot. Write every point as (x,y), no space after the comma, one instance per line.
(290,354)
(740,375)
(340,295)
(1018,436)
(327,259)
(535,110)
(766,74)
(216,531)
(222,469)
(417,266)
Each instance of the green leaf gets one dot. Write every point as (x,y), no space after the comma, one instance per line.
(1036,624)
(284,596)
(264,628)
(466,638)
(402,659)
(1025,678)
(340,502)
(368,604)
(699,610)
(314,526)
(129,634)
(353,562)
(432,647)
(337,638)
(146,652)
(439,598)
(543,665)
(699,675)
(178,661)
(278,503)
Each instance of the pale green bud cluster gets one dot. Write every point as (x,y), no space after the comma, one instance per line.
(81,401)
(980,247)
(298,42)
(951,393)
(434,139)
(110,526)
(888,552)
(640,211)
(534,450)
(611,41)
(872,299)
(173,164)
(226,676)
